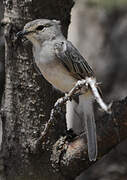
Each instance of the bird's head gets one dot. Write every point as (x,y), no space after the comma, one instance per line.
(40,30)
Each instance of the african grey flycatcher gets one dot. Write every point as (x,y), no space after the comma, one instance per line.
(62,65)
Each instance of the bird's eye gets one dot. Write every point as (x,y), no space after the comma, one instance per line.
(39,28)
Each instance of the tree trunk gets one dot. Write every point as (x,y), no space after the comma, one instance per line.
(28,97)
(1,54)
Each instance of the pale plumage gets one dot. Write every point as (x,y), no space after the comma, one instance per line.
(62,65)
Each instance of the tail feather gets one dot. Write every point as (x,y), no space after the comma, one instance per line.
(80,117)
(90,127)
(91,138)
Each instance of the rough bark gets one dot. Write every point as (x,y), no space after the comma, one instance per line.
(2,78)
(2,52)
(28,101)
(28,97)
(111,130)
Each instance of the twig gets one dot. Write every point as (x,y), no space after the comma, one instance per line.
(92,83)
(75,156)
(60,102)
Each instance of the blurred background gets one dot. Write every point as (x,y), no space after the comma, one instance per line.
(99,30)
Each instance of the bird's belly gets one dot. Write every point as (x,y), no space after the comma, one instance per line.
(58,76)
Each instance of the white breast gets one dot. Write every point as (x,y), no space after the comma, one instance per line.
(58,76)
(53,70)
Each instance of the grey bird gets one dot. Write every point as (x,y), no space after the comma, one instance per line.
(62,65)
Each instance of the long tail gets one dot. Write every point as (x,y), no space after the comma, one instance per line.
(90,126)
(80,117)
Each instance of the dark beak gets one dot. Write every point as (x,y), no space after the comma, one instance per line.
(21,34)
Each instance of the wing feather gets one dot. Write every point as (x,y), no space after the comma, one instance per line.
(72,60)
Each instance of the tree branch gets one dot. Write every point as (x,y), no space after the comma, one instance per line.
(111,129)
(88,83)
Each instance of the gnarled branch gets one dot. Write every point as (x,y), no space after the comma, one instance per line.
(88,83)
(111,129)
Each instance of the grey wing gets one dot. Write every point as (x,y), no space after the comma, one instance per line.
(70,57)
